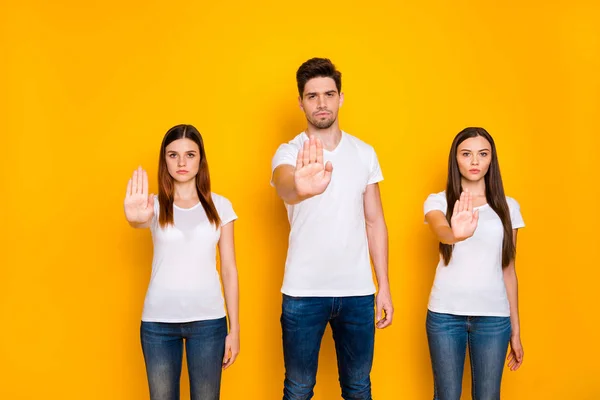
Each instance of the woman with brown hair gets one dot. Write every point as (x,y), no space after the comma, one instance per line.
(183,302)
(473,302)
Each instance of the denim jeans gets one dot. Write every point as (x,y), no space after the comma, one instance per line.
(162,345)
(303,322)
(487,339)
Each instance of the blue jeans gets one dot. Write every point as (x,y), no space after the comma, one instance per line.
(303,322)
(487,339)
(162,345)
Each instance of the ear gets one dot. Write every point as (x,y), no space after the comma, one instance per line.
(341,99)
(300,103)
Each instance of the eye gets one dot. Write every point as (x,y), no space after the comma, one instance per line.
(191,155)
(483,154)
(466,154)
(311,96)
(172,155)
(330,94)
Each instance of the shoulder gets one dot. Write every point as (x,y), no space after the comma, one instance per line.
(512,203)
(220,200)
(359,144)
(295,144)
(437,197)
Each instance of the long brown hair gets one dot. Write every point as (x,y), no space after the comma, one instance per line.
(166,186)
(494,193)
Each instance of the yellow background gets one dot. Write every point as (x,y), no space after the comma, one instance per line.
(89,88)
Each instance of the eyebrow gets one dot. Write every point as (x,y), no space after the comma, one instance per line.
(327,92)
(188,151)
(486,149)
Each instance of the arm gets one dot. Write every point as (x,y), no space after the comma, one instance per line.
(139,205)
(515,356)
(310,177)
(229,276)
(377,237)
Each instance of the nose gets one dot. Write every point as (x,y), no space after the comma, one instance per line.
(181,161)
(321,102)
(475,160)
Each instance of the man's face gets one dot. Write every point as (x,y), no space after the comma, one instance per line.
(321,102)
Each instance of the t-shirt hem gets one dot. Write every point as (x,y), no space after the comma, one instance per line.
(327,293)
(183,320)
(469,313)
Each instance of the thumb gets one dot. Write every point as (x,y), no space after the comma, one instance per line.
(151,201)
(379,312)
(328,167)
(476,216)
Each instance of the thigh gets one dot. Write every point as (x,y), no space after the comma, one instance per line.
(303,322)
(162,345)
(488,343)
(205,349)
(353,328)
(447,338)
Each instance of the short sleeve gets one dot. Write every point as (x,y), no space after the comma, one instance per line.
(375,174)
(225,209)
(435,201)
(516,219)
(286,154)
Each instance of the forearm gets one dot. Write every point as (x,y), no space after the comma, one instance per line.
(288,193)
(512,289)
(229,276)
(446,236)
(377,236)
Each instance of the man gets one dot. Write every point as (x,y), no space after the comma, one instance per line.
(328,180)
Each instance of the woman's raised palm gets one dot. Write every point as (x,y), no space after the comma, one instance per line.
(464,220)
(139,205)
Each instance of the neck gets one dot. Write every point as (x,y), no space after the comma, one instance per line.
(477,188)
(186,190)
(330,136)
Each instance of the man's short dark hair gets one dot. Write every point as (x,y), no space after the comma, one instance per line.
(317,68)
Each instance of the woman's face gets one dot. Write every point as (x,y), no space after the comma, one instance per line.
(183,159)
(474,156)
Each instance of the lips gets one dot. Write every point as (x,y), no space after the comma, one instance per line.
(182,171)
(474,171)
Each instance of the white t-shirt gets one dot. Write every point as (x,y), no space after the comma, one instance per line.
(473,282)
(185,284)
(328,255)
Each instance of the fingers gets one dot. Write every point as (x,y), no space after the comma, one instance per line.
(144,183)
(319,148)
(230,356)
(305,153)
(469,202)
(515,359)
(313,150)
(140,182)
(300,158)
(128,192)
(230,361)
(462,202)
(134,182)
(387,321)
(379,314)
(456,207)
(227,356)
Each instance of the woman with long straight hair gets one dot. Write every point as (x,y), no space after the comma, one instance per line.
(473,302)
(184,304)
